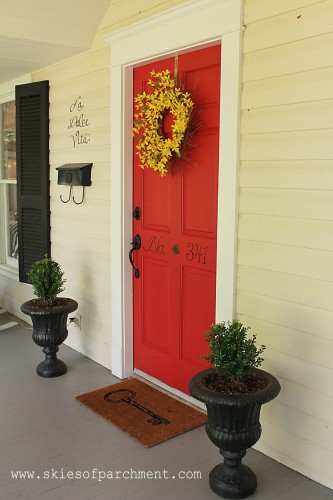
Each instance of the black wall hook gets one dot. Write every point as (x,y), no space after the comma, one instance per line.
(79,202)
(69,197)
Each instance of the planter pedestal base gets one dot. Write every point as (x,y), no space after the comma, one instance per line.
(232,479)
(51,366)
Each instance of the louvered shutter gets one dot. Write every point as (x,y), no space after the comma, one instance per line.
(32,157)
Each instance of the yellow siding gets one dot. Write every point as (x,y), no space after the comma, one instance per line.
(304,22)
(285,231)
(313,115)
(289,89)
(287,174)
(303,55)
(283,258)
(302,204)
(256,10)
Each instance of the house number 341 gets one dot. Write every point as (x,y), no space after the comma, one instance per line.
(196,253)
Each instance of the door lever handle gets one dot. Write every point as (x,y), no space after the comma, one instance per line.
(136,245)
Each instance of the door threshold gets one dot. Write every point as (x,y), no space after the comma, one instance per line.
(172,390)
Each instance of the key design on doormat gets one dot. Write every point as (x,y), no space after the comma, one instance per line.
(127,396)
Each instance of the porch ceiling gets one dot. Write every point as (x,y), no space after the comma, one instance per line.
(36,33)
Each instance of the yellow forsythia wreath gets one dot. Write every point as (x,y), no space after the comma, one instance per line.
(154,149)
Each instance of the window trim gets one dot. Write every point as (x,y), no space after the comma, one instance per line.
(8,265)
(5,259)
(9,261)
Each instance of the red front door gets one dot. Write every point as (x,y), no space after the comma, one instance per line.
(174,297)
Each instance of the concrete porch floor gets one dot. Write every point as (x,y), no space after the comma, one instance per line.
(45,432)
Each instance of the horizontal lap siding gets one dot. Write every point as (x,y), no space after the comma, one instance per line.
(289,89)
(296,203)
(305,21)
(309,54)
(289,174)
(285,230)
(80,234)
(257,10)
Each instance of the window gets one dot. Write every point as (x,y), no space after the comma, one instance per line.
(24,176)
(8,196)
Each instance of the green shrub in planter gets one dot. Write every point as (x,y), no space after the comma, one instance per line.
(48,313)
(47,279)
(233,390)
(232,354)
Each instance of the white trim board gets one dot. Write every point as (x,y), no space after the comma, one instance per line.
(6,325)
(194,24)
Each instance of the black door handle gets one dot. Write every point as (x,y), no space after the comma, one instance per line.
(136,244)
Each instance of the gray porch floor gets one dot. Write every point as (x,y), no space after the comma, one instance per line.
(44,431)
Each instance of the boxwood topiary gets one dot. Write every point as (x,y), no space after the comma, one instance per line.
(230,351)
(47,279)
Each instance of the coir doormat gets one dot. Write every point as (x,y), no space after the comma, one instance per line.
(146,413)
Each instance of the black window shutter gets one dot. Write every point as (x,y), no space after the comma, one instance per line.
(32,163)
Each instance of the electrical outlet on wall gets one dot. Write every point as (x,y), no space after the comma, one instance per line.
(75,320)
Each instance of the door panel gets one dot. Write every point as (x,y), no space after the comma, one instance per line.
(174,298)
(155,205)
(197,221)
(203,283)
(156,277)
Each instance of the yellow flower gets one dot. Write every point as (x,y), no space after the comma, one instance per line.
(155,150)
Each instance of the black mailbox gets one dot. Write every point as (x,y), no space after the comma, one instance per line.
(75,174)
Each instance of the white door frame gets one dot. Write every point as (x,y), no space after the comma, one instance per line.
(193,25)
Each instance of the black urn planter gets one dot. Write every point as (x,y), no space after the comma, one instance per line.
(233,426)
(49,331)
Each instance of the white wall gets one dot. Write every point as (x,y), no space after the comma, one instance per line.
(285,250)
(80,239)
